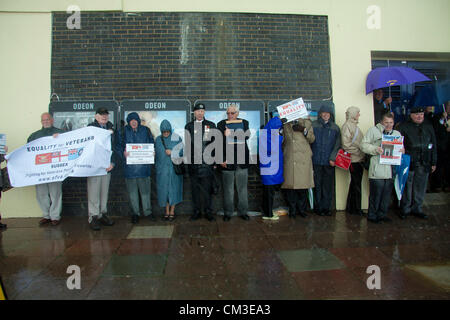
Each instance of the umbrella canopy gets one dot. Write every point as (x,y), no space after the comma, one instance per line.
(392,76)
(432,94)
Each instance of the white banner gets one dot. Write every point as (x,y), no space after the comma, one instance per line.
(293,110)
(83,152)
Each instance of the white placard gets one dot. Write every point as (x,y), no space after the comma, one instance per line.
(140,153)
(391,146)
(83,152)
(293,110)
(2,143)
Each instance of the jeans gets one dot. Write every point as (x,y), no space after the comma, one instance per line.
(379,197)
(229,177)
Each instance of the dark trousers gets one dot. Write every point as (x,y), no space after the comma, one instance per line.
(414,192)
(202,188)
(354,191)
(379,197)
(268,194)
(297,200)
(323,190)
(441,177)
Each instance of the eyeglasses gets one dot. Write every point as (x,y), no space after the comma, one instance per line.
(231,112)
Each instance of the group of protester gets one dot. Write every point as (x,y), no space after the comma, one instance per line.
(296,156)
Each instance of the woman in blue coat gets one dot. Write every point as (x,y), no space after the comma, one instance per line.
(169,185)
(271,163)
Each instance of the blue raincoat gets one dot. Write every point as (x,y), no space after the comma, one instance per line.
(271,156)
(128,135)
(169,185)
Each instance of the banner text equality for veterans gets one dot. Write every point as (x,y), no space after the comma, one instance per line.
(80,153)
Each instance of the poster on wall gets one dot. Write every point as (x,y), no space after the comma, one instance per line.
(153,111)
(250,110)
(76,114)
(313,106)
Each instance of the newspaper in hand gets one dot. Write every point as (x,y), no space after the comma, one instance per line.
(293,110)
(2,143)
(391,146)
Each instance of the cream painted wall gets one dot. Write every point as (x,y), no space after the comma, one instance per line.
(25,39)
(406,26)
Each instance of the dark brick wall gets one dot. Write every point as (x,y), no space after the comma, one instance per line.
(187,55)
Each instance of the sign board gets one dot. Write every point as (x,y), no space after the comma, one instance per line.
(75,114)
(250,110)
(153,111)
(312,106)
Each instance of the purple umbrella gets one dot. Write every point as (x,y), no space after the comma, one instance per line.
(392,76)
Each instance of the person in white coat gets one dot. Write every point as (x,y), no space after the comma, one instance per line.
(380,175)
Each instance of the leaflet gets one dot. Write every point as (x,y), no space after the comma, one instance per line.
(391,146)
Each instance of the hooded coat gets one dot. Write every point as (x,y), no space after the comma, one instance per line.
(266,151)
(169,185)
(328,140)
(142,134)
(351,135)
(298,167)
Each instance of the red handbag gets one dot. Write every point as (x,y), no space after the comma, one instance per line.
(343,159)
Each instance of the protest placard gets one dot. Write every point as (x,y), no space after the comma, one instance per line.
(391,146)
(293,110)
(140,153)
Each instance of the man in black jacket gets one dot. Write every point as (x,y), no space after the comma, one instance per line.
(98,186)
(48,195)
(201,173)
(236,162)
(420,144)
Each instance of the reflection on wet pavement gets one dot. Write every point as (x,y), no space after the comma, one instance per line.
(312,258)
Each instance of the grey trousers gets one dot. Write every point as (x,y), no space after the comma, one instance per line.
(228,178)
(414,192)
(49,197)
(98,188)
(136,187)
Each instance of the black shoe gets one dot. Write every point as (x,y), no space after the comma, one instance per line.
(402,215)
(319,212)
(327,213)
(95,223)
(134,218)
(166,217)
(210,217)
(195,216)
(2,226)
(171,218)
(385,219)
(245,217)
(302,214)
(152,217)
(104,220)
(226,218)
(420,215)
(373,220)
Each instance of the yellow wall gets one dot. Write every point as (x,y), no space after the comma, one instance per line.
(25,39)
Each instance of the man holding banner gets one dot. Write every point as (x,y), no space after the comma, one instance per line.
(48,195)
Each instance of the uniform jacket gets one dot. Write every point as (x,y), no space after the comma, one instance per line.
(369,145)
(349,130)
(420,143)
(128,135)
(298,168)
(327,142)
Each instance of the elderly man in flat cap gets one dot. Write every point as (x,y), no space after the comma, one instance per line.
(98,186)
(420,144)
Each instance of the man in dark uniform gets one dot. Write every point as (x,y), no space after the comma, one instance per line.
(420,144)
(200,136)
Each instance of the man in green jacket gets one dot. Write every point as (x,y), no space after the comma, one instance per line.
(48,195)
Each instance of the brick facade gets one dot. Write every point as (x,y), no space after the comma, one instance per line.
(192,56)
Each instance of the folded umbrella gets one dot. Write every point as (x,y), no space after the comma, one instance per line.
(392,76)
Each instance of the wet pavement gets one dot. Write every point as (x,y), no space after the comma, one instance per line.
(313,258)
